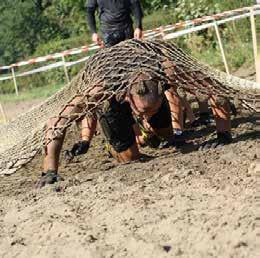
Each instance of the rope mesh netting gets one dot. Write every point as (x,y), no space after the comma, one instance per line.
(110,72)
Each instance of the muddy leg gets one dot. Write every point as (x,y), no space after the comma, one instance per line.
(189,111)
(131,154)
(221,112)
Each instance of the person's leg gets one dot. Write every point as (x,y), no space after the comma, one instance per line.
(188,110)
(114,37)
(130,154)
(117,125)
(221,112)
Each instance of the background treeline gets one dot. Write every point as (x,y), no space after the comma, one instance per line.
(39,27)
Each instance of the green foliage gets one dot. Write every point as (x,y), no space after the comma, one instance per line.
(39,27)
(22,27)
(152,5)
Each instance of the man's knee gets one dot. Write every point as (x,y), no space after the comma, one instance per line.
(130,154)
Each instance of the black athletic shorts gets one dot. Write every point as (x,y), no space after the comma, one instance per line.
(117,121)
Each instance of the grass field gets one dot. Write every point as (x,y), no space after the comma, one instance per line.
(34,93)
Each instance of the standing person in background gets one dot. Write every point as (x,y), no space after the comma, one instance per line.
(116,23)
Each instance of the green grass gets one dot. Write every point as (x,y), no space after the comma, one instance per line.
(34,93)
(158,18)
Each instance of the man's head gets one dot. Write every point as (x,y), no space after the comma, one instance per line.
(145,95)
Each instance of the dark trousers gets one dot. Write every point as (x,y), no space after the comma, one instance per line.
(114,37)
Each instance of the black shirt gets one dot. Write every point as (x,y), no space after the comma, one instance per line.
(114,14)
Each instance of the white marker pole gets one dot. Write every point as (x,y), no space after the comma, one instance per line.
(65,69)
(254,39)
(15,83)
(221,48)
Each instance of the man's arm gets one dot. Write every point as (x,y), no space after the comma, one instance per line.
(91,9)
(176,109)
(55,141)
(88,130)
(138,14)
(89,125)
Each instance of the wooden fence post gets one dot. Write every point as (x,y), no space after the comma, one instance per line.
(65,69)
(254,39)
(221,48)
(162,32)
(15,83)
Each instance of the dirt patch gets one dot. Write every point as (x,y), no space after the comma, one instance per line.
(178,204)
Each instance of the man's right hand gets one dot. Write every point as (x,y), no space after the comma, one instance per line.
(78,148)
(96,39)
(138,34)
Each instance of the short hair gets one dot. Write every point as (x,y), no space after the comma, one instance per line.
(145,85)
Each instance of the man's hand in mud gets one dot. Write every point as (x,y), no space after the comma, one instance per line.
(176,141)
(223,138)
(78,148)
(49,177)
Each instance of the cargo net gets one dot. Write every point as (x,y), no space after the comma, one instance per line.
(112,72)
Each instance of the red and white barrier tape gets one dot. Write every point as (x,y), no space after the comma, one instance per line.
(201,20)
(163,32)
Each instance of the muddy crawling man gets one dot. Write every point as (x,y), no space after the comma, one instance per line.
(137,81)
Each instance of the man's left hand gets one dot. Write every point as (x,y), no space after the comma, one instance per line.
(138,33)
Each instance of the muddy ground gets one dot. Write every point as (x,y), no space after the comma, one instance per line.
(185,203)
